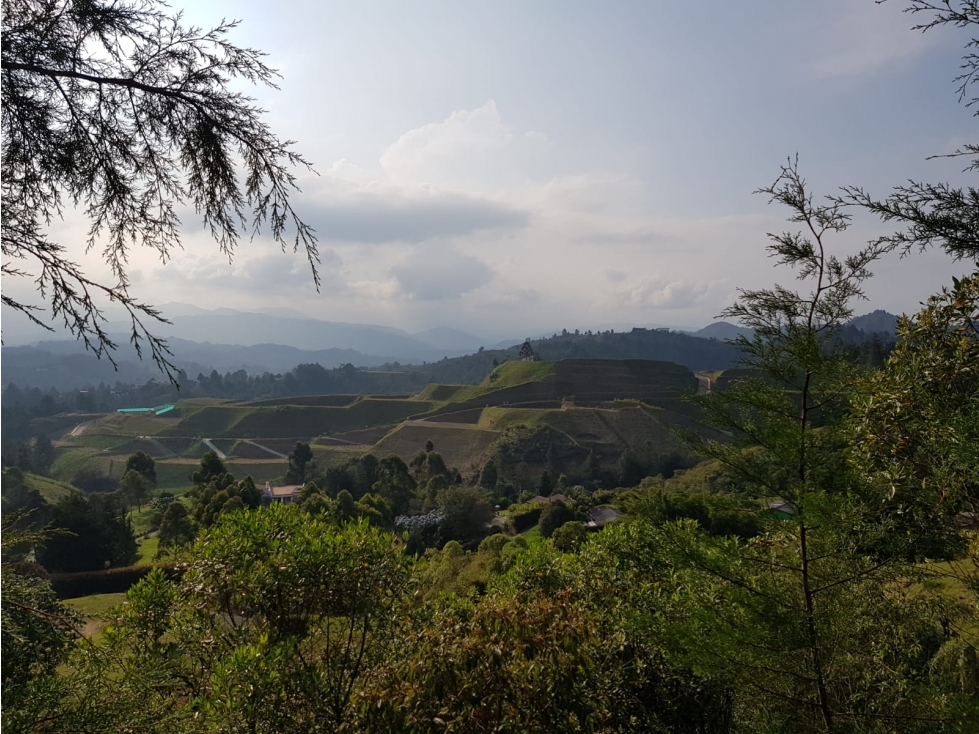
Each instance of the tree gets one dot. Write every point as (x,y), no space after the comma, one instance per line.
(467,513)
(915,423)
(936,214)
(544,485)
(37,631)
(800,632)
(210,467)
(87,533)
(489,476)
(299,459)
(19,499)
(144,464)
(395,483)
(42,454)
(345,508)
(569,537)
(133,488)
(554,516)
(176,528)
(120,110)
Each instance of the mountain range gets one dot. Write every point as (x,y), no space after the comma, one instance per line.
(228,340)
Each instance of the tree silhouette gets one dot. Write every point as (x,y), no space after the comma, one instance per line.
(120,110)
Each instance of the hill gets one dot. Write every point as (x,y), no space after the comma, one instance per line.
(876,322)
(580,405)
(722,331)
(51,489)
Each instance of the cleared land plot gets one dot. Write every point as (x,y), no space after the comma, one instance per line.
(462,448)
(51,489)
(54,426)
(463,416)
(103,442)
(438,392)
(326,456)
(334,401)
(245,450)
(282,445)
(224,445)
(296,422)
(368,436)
(146,551)
(178,446)
(136,424)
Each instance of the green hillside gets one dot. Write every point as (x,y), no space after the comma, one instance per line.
(587,405)
(462,448)
(51,489)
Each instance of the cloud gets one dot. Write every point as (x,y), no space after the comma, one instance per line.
(268,272)
(440,274)
(676,294)
(374,214)
(470,149)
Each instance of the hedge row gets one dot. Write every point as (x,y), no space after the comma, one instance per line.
(110,581)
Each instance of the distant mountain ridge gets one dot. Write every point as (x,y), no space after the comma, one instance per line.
(289,328)
(875,322)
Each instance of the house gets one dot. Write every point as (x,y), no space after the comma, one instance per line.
(599,517)
(541,500)
(781,509)
(285,495)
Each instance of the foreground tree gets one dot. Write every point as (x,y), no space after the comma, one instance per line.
(915,423)
(120,110)
(799,633)
(272,629)
(936,214)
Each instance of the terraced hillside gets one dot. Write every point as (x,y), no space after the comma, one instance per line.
(578,401)
(462,446)
(577,380)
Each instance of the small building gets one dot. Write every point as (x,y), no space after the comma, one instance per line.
(285,495)
(782,510)
(542,500)
(599,517)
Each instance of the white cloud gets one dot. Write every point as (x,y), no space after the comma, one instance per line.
(470,149)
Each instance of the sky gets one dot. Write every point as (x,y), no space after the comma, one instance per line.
(519,166)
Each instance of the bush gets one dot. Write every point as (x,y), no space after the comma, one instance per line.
(493,543)
(553,517)
(524,517)
(569,537)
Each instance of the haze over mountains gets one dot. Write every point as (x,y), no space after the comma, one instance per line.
(229,340)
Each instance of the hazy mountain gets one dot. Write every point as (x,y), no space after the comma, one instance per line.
(443,337)
(722,331)
(287,327)
(876,322)
(66,365)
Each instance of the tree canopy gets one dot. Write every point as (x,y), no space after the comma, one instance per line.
(123,112)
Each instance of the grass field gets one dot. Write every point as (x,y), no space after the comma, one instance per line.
(146,551)
(96,604)
(442,393)
(51,489)
(135,424)
(96,441)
